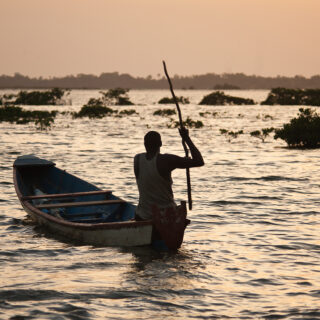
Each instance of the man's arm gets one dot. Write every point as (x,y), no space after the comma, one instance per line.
(196,157)
(169,162)
(136,165)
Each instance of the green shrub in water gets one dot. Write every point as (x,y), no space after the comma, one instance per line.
(98,107)
(128,112)
(13,114)
(207,113)
(295,97)
(263,134)
(116,97)
(37,98)
(167,100)
(188,123)
(231,134)
(164,112)
(93,112)
(7,99)
(218,98)
(302,131)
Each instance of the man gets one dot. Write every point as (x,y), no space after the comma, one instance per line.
(153,173)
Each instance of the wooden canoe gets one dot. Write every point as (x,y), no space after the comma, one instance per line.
(75,209)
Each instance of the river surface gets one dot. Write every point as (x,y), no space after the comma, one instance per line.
(252,250)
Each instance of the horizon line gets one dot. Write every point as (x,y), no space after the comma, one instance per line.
(152,77)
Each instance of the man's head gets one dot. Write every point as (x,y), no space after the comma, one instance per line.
(152,141)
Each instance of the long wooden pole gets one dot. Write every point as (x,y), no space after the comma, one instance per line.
(183,142)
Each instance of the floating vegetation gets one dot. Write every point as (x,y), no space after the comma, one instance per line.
(263,134)
(301,132)
(116,97)
(128,112)
(167,100)
(207,113)
(265,117)
(230,135)
(164,112)
(204,114)
(13,114)
(98,107)
(93,111)
(283,96)
(188,123)
(65,113)
(40,98)
(7,99)
(218,98)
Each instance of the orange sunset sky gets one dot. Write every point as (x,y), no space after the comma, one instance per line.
(62,37)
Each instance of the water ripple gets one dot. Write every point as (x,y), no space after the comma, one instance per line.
(251,251)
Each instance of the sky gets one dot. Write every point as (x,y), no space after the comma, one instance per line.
(51,38)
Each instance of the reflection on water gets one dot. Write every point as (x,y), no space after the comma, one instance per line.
(251,251)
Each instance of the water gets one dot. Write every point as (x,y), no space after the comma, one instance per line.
(251,252)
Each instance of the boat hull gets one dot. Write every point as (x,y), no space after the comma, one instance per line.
(117,233)
(131,233)
(108,234)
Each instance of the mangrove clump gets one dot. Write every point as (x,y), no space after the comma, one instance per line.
(164,112)
(7,99)
(116,97)
(13,114)
(167,100)
(230,135)
(188,123)
(98,107)
(302,131)
(40,98)
(207,113)
(295,97)
(128,112)
(218,98)
(94,109)
(262,135)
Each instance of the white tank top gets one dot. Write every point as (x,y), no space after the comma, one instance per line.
(153,188)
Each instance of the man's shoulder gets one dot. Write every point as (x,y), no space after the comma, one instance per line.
(138,155)
(136,159)
(170,158)
(167,156)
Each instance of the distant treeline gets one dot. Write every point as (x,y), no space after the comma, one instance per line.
(115,80)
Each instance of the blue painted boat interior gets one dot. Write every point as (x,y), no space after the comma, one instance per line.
(47,179)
